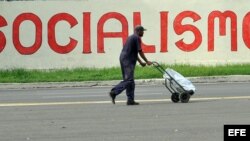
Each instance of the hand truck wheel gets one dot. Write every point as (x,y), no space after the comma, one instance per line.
(175,97)
(184,97)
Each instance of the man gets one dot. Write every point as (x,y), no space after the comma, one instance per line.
(128,59)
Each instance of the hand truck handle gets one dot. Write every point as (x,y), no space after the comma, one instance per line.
(155,64)
(158,67)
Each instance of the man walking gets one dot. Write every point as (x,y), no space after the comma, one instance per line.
(128,59)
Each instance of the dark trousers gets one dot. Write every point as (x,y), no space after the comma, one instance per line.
(128,82)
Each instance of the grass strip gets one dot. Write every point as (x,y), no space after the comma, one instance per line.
(94,74)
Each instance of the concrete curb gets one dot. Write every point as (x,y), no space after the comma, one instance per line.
(209,79)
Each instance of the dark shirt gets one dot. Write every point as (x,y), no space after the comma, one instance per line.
(130,50)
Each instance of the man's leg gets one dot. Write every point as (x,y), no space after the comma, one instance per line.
(131,94)
(123,84)
(129,77)
(119,88)
(127,72)
(130,91)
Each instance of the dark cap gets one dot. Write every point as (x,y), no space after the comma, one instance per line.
(139,28)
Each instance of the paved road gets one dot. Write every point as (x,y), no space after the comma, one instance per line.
(86,114)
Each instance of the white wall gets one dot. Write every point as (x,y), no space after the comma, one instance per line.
(150,12)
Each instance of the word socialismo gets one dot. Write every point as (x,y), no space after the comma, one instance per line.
(164,24)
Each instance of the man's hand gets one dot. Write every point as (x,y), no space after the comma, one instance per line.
(149,63)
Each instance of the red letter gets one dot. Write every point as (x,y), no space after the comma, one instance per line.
(246,30)
(222,18)
(86,33)
(52,35)
(180,29)
(101,34)
(16,39)
(164,31)
(3,22)
(145,48)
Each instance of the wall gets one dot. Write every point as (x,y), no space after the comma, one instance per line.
(90,33)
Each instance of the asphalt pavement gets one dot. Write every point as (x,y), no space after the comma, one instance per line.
(82,111)
(87,114)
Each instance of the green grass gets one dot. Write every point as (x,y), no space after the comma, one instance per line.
(86,74)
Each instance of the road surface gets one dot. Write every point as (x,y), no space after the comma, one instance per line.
(86,114)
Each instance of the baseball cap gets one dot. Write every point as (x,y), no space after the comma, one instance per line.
(139,28)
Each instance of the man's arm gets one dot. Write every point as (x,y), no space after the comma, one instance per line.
(144,58)
(141,63)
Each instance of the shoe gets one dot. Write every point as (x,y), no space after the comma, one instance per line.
(112,95)
(132,102)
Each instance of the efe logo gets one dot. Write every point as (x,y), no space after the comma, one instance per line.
(236,132)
